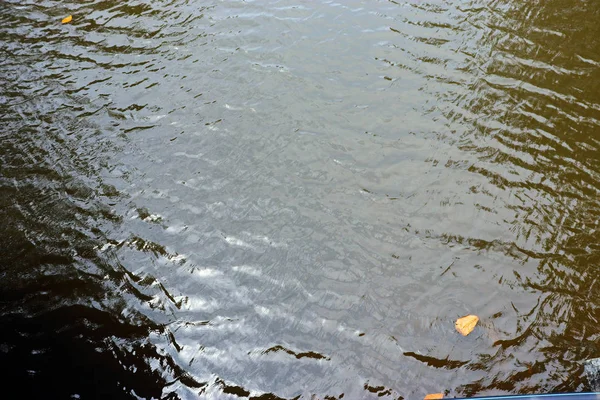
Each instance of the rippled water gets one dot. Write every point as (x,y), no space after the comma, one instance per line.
(238,199)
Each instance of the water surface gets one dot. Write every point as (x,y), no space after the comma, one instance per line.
(283,199)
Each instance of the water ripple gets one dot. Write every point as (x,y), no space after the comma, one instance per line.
(284,200)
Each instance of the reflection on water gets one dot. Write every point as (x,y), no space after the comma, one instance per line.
(282,199)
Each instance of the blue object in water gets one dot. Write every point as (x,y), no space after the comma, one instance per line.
(560,396)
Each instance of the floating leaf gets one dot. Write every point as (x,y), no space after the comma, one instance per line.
(434,396)
(67,19)
(465,325)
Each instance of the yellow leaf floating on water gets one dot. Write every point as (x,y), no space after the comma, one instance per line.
(67,19)
(465,325)
(434,396)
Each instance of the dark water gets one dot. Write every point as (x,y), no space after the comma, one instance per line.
(288,199)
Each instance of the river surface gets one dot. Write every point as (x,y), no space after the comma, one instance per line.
(297,199)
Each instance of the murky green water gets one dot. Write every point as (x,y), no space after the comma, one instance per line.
(237,199)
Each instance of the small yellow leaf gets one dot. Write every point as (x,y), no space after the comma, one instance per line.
(465,325)
(434,396)
(67,19)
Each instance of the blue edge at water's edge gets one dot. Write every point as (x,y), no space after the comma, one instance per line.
(560,396)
